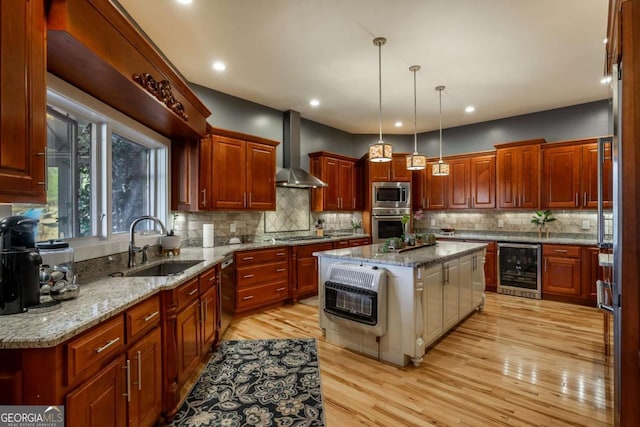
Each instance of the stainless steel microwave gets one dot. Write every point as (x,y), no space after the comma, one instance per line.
(391,195)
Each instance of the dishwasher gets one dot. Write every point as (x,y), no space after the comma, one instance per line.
(227,293)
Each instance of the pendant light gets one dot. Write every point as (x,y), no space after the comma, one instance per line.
(380,151)
(441,168)
(415,161)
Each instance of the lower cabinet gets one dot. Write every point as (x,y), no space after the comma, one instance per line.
(102,400)
(561,270)
(451,292)
(306,269)
(490,267)
(145,381)
(262,278)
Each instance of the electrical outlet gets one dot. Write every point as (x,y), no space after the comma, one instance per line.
(500,223)
(586,224)
(233,227)
(433,222)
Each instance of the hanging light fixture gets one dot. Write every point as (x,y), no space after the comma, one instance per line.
(441,168)
(380,151)
(415,161)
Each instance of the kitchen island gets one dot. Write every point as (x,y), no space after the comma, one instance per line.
(417,297)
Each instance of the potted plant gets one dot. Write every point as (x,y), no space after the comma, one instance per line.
(541,218)
(356,225)
(171,241)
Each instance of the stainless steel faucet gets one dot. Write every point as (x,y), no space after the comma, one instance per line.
(133,249)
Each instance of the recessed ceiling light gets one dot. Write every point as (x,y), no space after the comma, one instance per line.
(314,102)
(470,109)
(219,66)
(185,1)
(605,80)
(398,124)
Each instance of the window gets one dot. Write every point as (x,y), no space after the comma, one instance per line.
(103,170)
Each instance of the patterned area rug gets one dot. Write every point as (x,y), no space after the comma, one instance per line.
(257,383)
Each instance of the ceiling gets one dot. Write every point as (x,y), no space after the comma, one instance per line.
(505,57)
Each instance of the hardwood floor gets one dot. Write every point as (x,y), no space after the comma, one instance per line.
(519,362)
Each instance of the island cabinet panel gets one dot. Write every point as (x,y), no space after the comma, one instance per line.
(339,173)
(432,300)
(466,284)
(306,265)
(262,278)
(451,293)
(518,174)
(102,400)
(22,101)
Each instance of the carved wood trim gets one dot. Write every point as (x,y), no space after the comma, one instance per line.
(162,92)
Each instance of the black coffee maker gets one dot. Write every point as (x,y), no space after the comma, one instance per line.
(19,265)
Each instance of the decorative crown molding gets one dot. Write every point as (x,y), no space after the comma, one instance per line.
(162,92)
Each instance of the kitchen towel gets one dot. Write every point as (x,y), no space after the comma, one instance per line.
(207,235)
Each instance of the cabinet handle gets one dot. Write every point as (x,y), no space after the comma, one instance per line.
(127,367)
(577,199)
(562,251)
(212,278)
(248,297)
(46,168)
(447,273)
(423,206)
(107,345)
(545,264)
(192,291)
(139,371)
(244,199)
(201,320)
(584,198)
(247,276)
(206,306)
(468,201)
(428,203)
(473,201)
(204,197)
(151,316)
(280,270)
(247,258)
(280,254)
(353,205)
(250,199)
(280,289)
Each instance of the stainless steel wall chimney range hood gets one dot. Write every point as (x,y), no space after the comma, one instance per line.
(291,175)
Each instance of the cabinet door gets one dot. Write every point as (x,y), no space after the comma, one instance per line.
(205,196)
(22,101)
(399,170)
(465,287)
(359,186)
(307,275)
(483,182)
(379,171)
(345,185)
(331,171)
(561,276)
(477,279)
(436,190)
(418,189)
(432,303)
(261,171)
(209,309)
(507,177)
(184,175)
(188,340)
(528,176)
(229,173)
(589,177)
(450,295)
(490,277)
(146,380)
(101,401)
(561,177)
(458,188)
(591,272)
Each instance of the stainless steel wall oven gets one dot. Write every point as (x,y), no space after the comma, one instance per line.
(387,223)
(519,270)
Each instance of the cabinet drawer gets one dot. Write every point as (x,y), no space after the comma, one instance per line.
(254,275)
(187,292)
(262,255)
(341,244)
(308,250)
(88,351)
(142,318)
(561,250)
(208,279)
(358,242)
(261,295)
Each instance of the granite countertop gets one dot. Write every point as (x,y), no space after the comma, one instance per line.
(101,299)
(560,239)
(418,257)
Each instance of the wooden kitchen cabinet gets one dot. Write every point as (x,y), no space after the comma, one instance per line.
(451,292)
(435,190)
(360,241)
(145,362)
(262,278)
(338,172)
(393,171)
(23,101)
(490,267)
(458,183)
(518,174)
(561,271)
(184,174)
(570,175)
(483,181)
(209,283)
(237,172)
(306,269)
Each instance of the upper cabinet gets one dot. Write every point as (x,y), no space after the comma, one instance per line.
(22,101)
(237,172)
(518,174)
(339,173)
(395,170)
(570,175)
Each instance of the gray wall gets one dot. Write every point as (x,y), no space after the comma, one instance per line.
(574,122)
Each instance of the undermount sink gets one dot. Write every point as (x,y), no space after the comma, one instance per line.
(166,268)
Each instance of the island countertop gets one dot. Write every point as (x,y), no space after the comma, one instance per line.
(418,257)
